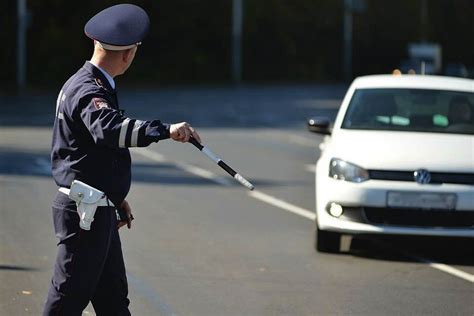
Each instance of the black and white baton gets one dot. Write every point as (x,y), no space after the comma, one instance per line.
(221,163)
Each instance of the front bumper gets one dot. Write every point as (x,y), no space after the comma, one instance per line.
(366,211)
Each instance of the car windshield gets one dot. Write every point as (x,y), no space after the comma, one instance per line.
(417,110)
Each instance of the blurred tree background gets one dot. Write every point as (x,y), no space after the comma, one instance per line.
(283,40)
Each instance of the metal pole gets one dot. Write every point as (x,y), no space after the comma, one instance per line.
(347,47)
(423,19)
(237,17)
(21,44)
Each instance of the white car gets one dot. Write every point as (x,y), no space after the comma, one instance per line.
(398,160)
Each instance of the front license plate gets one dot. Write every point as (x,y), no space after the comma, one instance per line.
(424,200)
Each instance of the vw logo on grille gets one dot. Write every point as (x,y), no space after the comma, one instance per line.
(422,176)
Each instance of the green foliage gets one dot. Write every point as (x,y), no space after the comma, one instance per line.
(292,40)
(283,40)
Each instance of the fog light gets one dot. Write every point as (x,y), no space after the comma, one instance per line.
(335,210)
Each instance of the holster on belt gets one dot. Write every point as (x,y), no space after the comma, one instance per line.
(87,199)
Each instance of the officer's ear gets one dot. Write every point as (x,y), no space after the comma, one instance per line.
(128,55)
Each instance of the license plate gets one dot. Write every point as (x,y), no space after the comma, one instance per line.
(423,200)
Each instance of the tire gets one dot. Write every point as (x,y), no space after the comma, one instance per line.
(327,241)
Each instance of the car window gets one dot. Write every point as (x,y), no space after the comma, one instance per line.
(417,110)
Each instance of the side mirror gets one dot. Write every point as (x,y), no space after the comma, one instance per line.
(320,125)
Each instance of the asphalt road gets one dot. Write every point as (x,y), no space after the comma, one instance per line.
(202,244)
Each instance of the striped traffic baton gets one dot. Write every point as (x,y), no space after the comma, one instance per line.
(221,163)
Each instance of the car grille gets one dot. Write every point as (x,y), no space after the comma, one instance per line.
(436,177)
(419,218)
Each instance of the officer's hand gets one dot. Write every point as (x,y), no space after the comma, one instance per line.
(126,208)
(181,132)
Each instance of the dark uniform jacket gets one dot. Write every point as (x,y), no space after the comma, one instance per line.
(91,135)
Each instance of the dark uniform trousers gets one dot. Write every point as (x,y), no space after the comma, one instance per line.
(89,264)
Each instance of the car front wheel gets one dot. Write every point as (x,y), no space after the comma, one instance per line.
(327,241)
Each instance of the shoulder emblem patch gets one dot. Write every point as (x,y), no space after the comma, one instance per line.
(100,103)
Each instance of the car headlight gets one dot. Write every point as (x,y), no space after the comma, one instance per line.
(343,170)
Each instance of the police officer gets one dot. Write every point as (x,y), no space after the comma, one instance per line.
(91,137)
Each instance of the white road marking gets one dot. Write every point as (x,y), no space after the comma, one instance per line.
(204,173)
(288,206)
(447,269)
(283,205)
(310,215)
(303,141)
(150,154)
(200,172)
(310,168)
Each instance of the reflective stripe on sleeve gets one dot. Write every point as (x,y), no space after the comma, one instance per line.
(123,132)
(136,128)
(58,100)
